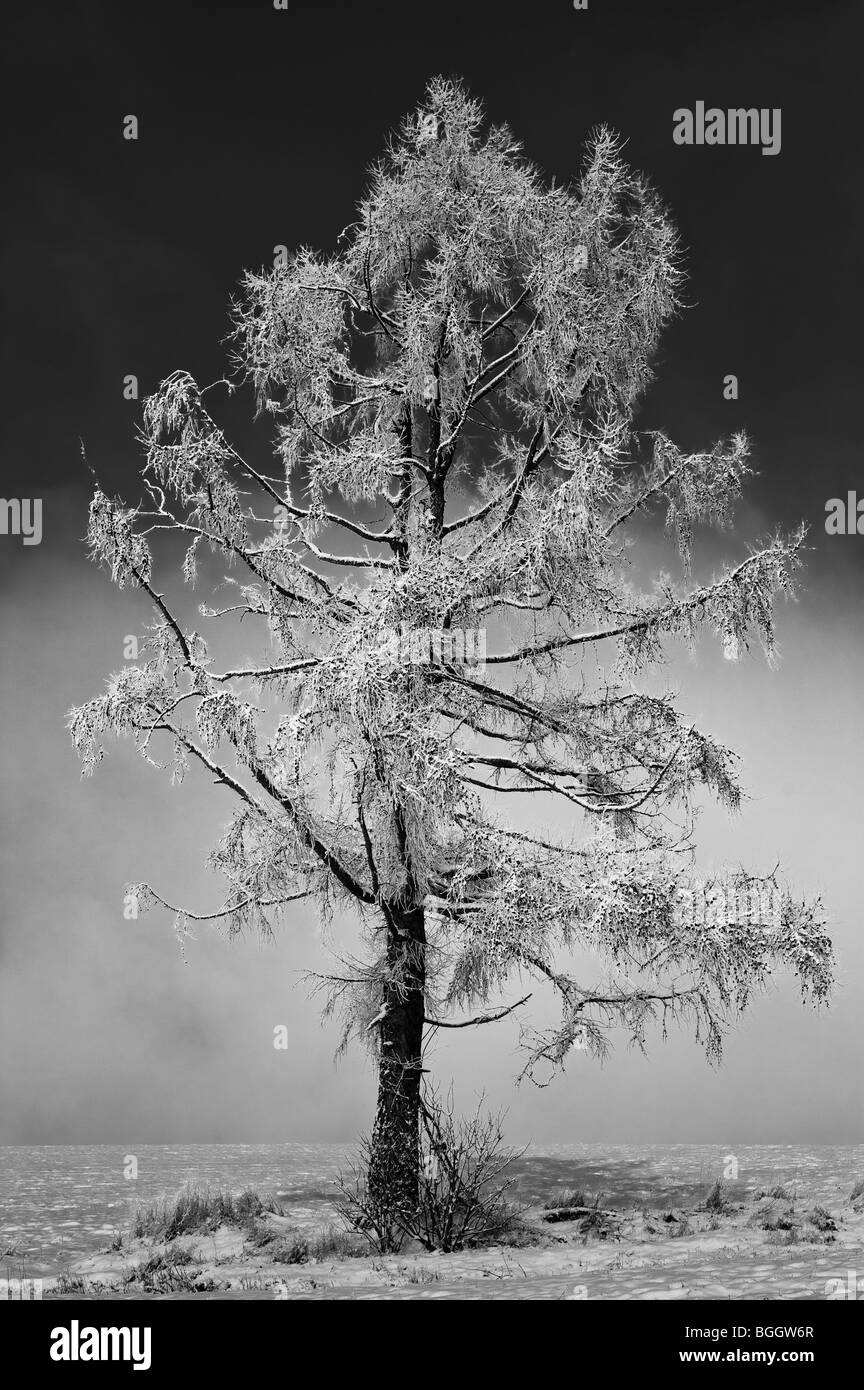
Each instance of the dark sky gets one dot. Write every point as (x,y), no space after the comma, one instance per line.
(256,128)
(119,257)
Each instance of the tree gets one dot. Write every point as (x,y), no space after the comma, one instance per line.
(467,364)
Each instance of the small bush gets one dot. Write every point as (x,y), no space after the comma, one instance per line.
(781,1193)
(857,1191)
(783,1237)
(196,1208)
(70,1283)
(576,1198)
(167,1272)
(368,1214)
(289,1250)
(679,1229)
(555,1214)
(462,1193)
(779,1221)
(821,1219)
(294,1248)
(717,1200)
(518,1235)
(332,1244)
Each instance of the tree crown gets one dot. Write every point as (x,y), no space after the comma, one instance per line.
(467,364)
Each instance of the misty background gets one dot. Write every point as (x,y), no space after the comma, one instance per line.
(256,129)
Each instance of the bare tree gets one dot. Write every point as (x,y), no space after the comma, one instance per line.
(467,366)
(463,1188)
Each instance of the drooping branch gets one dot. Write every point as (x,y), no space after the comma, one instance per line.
(779,558)
(475,1022)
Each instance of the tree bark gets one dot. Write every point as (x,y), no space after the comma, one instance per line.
(393,1175)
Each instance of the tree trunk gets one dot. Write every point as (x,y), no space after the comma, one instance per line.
(393,1174)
